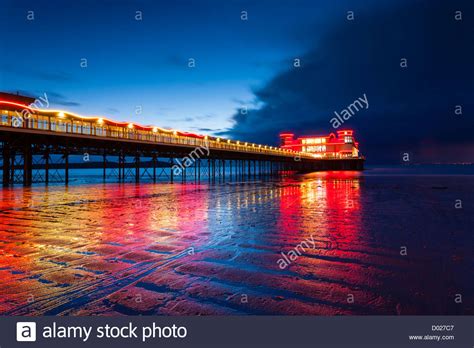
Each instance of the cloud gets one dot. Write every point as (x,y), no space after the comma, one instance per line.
(60,99)
(53,97)
(209,130)
(185,119)
(409,108)
(205,117)
(214,131)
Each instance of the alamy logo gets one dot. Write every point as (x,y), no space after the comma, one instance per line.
(26,332)
(345,114)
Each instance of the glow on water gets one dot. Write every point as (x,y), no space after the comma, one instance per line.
(113,249)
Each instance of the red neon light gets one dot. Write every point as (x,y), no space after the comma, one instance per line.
(331,143)
(16,104)
(107,120)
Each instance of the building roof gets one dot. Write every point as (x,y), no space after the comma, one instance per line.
(17,98)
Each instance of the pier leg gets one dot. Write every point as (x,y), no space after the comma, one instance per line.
(12,167)
(6,164)
(199,170)
(119,164)
(213,170)
(27,165)
(208,169)
(154,168)
(46,167)
(195,170)
(171,170)
(66,167)
(123,167)
(223,170)
(104,172)
(137,168)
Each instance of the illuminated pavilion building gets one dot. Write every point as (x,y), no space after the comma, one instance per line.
(335,145)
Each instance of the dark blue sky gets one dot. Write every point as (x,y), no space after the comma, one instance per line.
(250,63)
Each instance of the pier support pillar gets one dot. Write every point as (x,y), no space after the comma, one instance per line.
(6,164)
(208,170)
(27,165)
(137,168)
(119,164)
(104,172)
(66,167)
(223,170)
(123,167)
(46,166)
(171,170)
(154,167)
(199,169)
(195,170)
(213,170)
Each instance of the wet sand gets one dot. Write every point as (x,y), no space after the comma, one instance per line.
(200,249)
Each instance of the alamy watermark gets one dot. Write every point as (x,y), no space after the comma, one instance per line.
(39,103)
(346,113)
(296,252)
(190,159)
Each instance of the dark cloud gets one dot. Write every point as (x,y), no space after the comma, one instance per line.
(60,99)
(207,130)
(409,109)
(52,97)
(67,103)
(23,92)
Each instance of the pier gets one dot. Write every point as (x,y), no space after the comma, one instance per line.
(37,145)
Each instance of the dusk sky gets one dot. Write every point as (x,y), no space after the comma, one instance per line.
(250,64)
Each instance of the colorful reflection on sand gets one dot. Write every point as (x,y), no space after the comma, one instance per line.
(121,249)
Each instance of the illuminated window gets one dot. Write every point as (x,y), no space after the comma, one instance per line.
(318,148)
(347,139)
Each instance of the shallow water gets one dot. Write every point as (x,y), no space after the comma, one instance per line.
(374,244)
